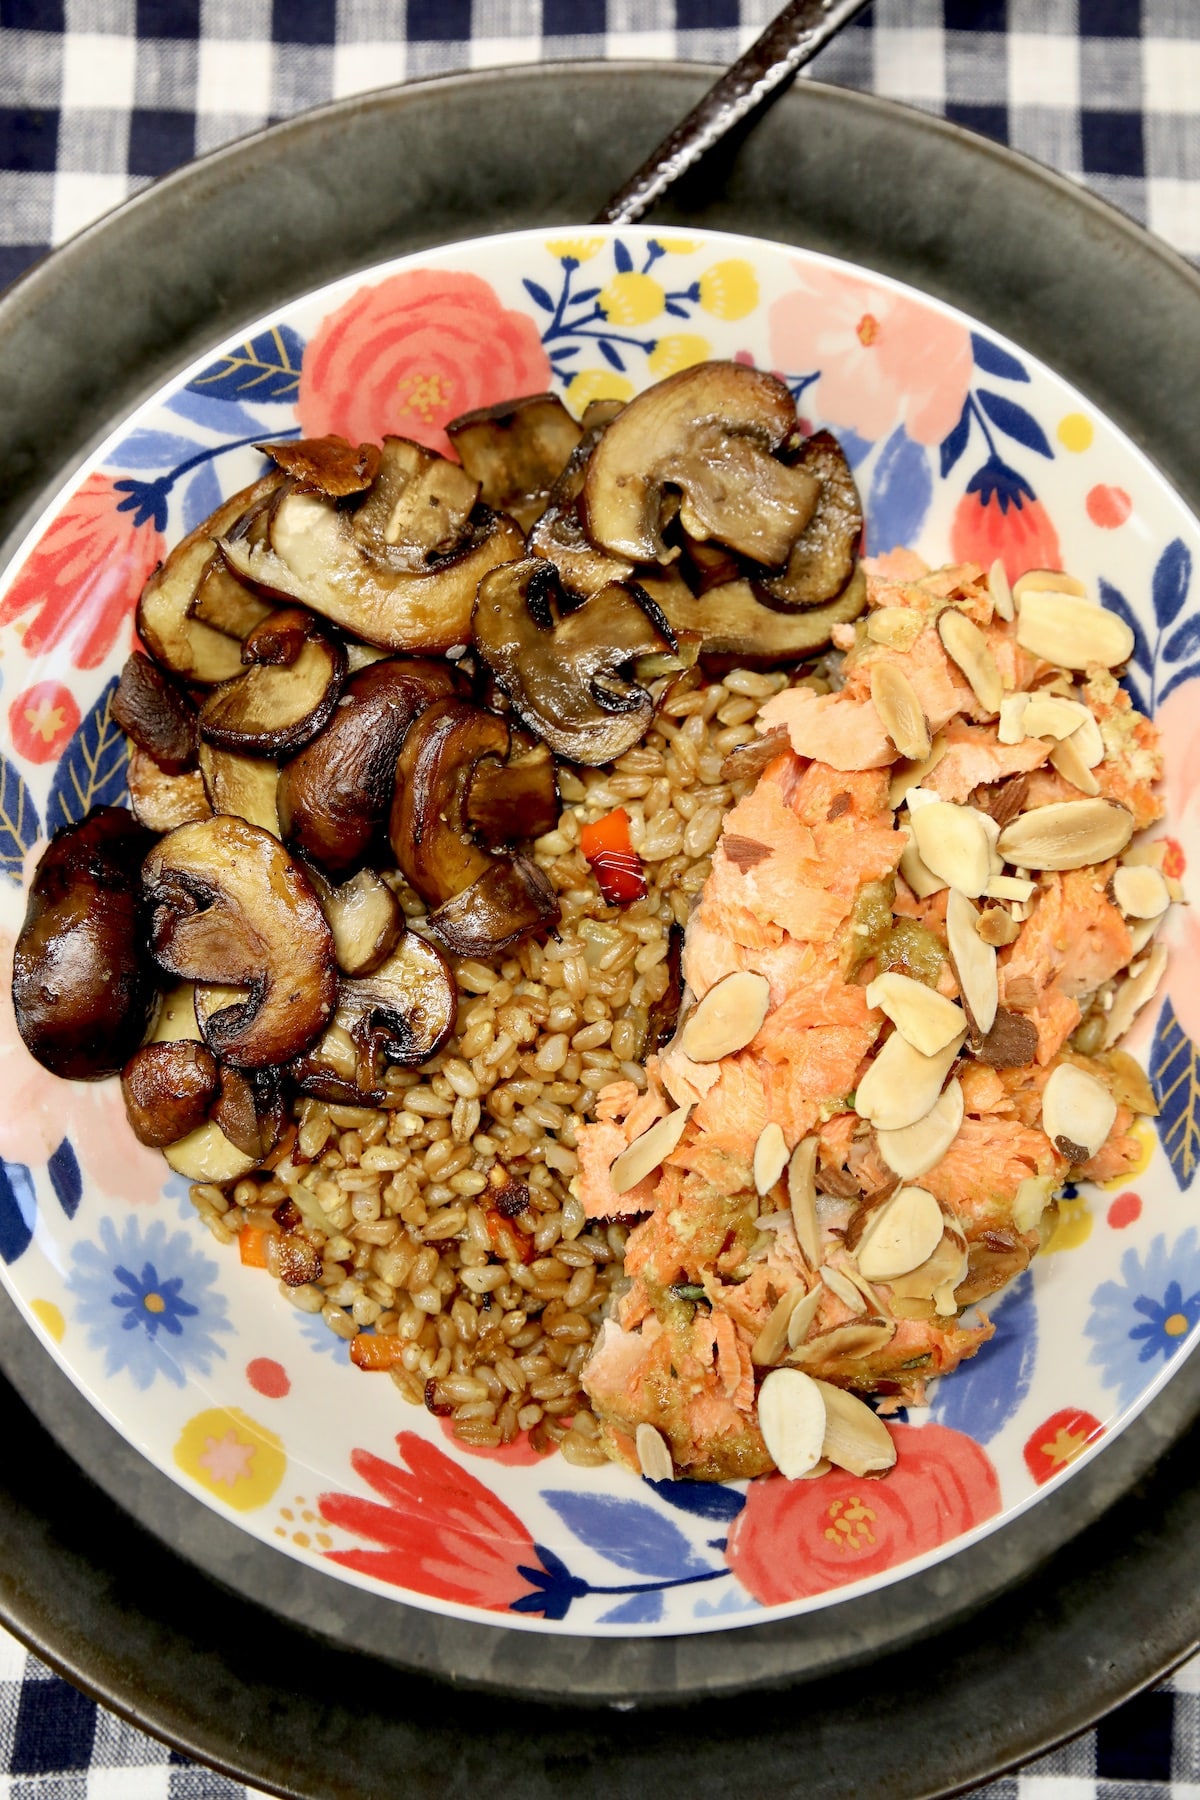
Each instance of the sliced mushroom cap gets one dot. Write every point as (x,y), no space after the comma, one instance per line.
(428,826)
(242,785)
(249,1110)
(178,641)
(160,801)
(365,917)
(334,796)
(406,1009)
(157,713)
(285,696)
(563,671)
(231,906)
(516,450)
(710,432)
(558,533)
(82,985)
(734,625)
(419,506)
(168,1088)
(824,556)
(326,465)
(314,556)
(222,599)
(515,799)
(511,900)
(206,1154)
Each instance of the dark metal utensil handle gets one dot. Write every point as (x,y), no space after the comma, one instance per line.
(771,62)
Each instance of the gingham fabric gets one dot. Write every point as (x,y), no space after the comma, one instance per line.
(97,97)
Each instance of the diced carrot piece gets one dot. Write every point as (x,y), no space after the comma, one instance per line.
(373,1352)
(252,1245)
(508,1241)
(609,849)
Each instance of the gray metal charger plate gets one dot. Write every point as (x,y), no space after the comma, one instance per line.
(281,1675)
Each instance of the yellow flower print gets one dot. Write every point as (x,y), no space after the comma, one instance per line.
(632,299)
(679,351)
(677,246)
(597,384)
(230,1454)
(50,1318)
(581,249)
(1073,1226)
(729,290)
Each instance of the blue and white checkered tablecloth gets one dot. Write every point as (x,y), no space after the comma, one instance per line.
(98,97)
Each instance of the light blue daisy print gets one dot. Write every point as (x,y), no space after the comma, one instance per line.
(1147,1315)
(149,1301)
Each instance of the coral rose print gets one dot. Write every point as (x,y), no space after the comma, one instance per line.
(412,352)
(798,1538)
(1002,519)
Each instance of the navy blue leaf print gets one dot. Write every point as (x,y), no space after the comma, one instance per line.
(19,822)
(65,1178)
(1181,643)
(554,1586)
(955,442)
(151,450)
(18,1205)
(225,416)
(1136,699)
(1172,578)
(1117,603)
(703,1499)
(631,1535)
(639,1609)
(585,294)
(564,353)
(265,368)
(996,1380)
(1175,1076)
(1014,421)
(994,361)
(1177,680)
(677,311)
(610,355)
(92,769)
(900,494)
(538,295)
(995,480)
(201,496)
(622,258)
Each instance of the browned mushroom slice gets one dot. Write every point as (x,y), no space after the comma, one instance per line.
(221,599)
(285,696)
(334,796)
(428,826)
(365,917)
(516,451)
(157,714)
(516,799)
(710,432)
(314,556)
(168,1089)
(511,900)
(327,465)
(407,1008)
(231,906)
(734,625)
(249,1110)
(708,565)
(160,801)
(419,506)
(245,786)
(823,557)
(179,642)
(558,533)
(564,671)
(82,986)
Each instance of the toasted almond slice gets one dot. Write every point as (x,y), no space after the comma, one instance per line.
(992,833)
(803,1314)
(920,879)
(1050,715)
(856,1439)
(851,1342)
(730,1014)
(1135,991)
(1072,631)
(896,627)
(937,1277)
(1032,1198)
(646,1152)
(952,843)
(791,1417)
(918,797)
(1001,592)
(909,775)
(1066,759)
(900,714)
(818,1469)
(1078,1112)
(900,1235)
(1055,581)
(974,962)
(1067,835)
(772,1340)
(844,1289)
(916,1148)
(1089,742)
(1140,933)
(802,1197)
(654,1454)
(1146,853)
(1010,887)
(997,927)
(1129,1084)
(966,645)
(901,1084)
(1141,893)
(1013,707)
(925,1018)
(770,1157)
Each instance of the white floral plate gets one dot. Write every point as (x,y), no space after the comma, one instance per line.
(964,449)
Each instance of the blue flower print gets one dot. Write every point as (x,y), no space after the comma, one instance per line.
(149,1301)
(1147,1315)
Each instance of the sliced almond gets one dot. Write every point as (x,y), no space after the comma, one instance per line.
(728,1017)
(844,1290)
(772,1340)
(974,962)
(852,1342)
(895,627)
(1001,592)
(937,1277)
(900,714)
(1067,835)
(1031,1200)
(991,830)
(1055,581)
(925,1018)
(1013,707)
(1010,887)
(646,1152)
(997,927)
(1141,893)
(1139,987)
(900,1235)
(1050,715)
(1146,853)
(791,1417)
(920,879)
(654,1454)
(908,775)
(802,1198)
(953,844)
(770,1157)
(1078,1112)
(1140,933)
(913,1150)
(803,1314)
(1088,741)
(1066,759)
(1072,631)
(966,645)
(901,1084)
(856,1439)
